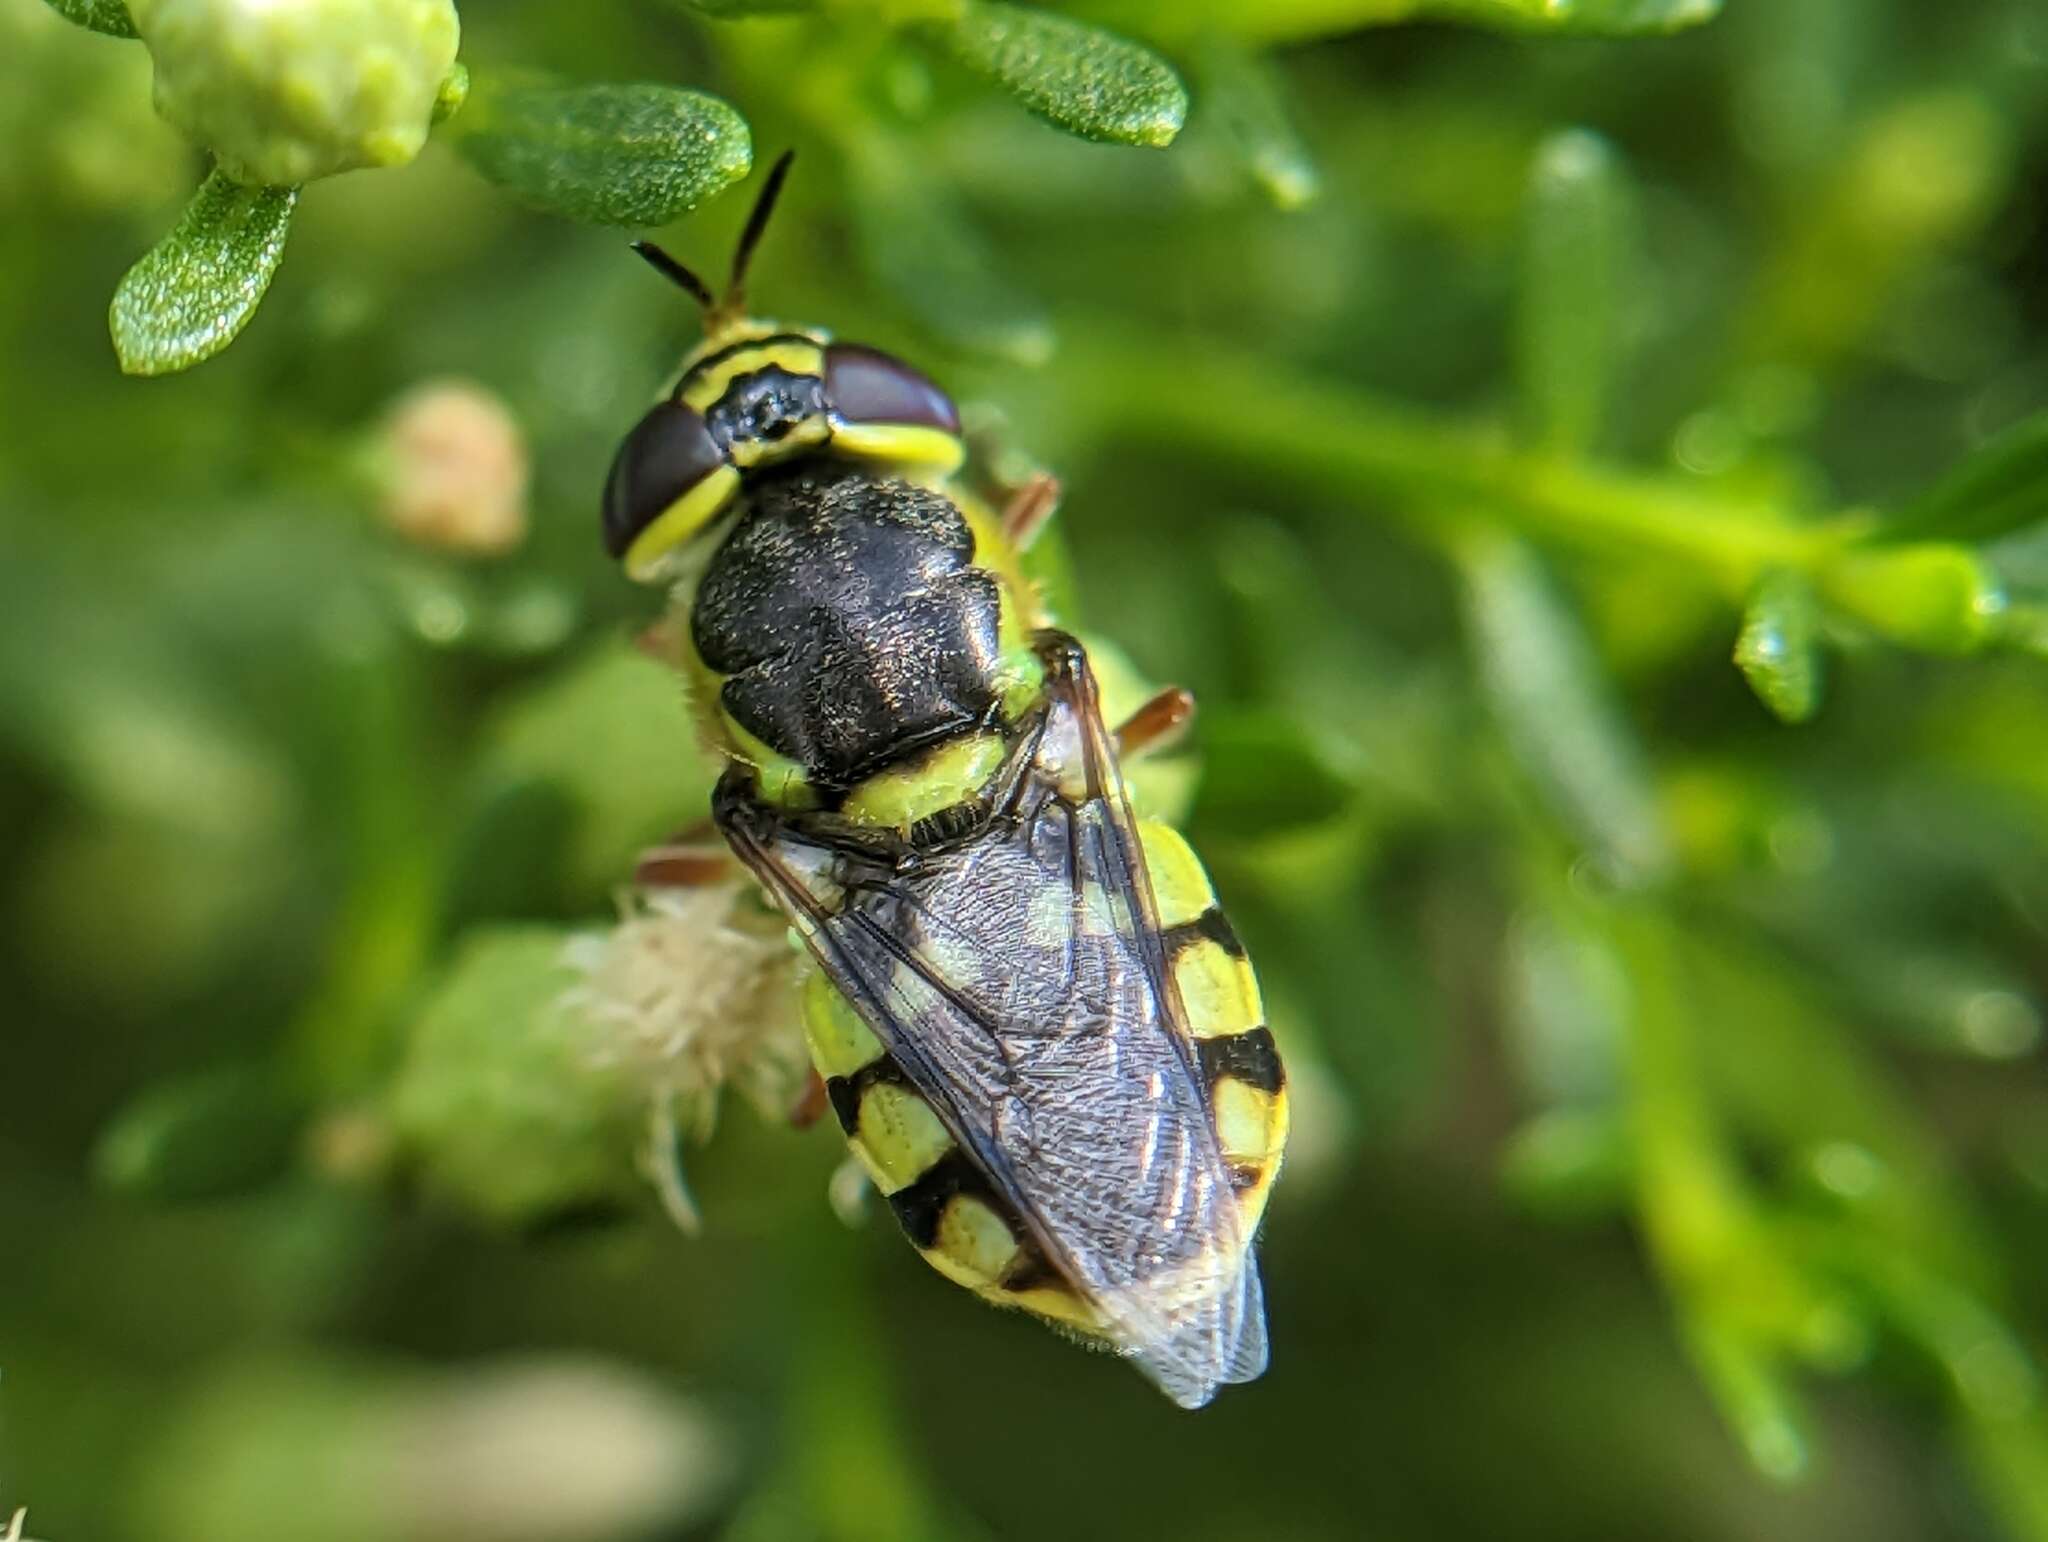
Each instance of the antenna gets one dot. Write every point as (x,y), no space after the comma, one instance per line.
(734,302)
(721,311)
(675,273)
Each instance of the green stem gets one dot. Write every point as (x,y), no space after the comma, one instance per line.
(1337,438)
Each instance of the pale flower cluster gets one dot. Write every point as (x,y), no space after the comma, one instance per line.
(693,991)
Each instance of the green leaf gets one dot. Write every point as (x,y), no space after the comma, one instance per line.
(608,155)
(1612,18)
(914,239)
(1938,598)
(1243,94)
(1265,774)
(197,287)
(1999,488)
(732,10)
(199,1137)
(600,755)
(1569,1164)
(1294,21)
(108,16)
(1554,706)
(1578,272)
(1778,650)
(497,1101)
(1087,81)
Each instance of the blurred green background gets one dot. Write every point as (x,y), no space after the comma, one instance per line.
(1451,406)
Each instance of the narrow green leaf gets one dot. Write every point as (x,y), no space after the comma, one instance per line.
(1778,650)
(197,287)
(1578,261)
(609,155)
(1555,708)
(1570,1164)
(1938,598)
(917,243)
(200,1136)
(1246,755)
(108,16)
(1751,1389)
(1999,488)
(1243,93)
(1617,18)
(734,10)
(1087,81)
(1294,21)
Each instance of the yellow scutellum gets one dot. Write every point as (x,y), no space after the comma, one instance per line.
(691,992)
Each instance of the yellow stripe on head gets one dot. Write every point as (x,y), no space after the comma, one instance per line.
(703,385)
(901,444)
(674,526)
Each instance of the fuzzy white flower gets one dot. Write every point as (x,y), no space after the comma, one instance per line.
(694,990)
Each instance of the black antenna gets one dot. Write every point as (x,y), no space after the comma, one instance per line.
(675,273)
(735,291)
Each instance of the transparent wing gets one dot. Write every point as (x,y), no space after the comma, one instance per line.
(1018,978)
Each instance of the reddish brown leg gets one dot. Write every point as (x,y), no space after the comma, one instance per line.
(1157,725)
(1030,506)
(811,1103)
(690,859)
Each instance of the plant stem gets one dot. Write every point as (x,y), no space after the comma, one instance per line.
(1335,437)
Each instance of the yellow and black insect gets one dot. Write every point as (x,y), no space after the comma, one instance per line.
(1037,1029)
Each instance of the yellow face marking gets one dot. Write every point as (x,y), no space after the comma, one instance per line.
(1179,884)
(839,1041)
(974,1244)
(703,390)
(807,435)
(948,774)
(900,1135)
(1218,989)
(679,521)
(902,444)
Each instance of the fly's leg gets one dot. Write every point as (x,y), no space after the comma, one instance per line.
(693,858)
(1031,503)
(1158,725)
(811,1103)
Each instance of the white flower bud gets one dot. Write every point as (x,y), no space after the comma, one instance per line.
(454,472)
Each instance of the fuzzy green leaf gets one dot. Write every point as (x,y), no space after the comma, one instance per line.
(1244,95)
(1293,21)
(609,155)
(2000,488)
(108,16)
(197,287)
(1778,650)
(1939,598)
(1087,81)
(1578,259)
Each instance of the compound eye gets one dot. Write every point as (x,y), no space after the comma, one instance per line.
(669,465)
(865,385)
